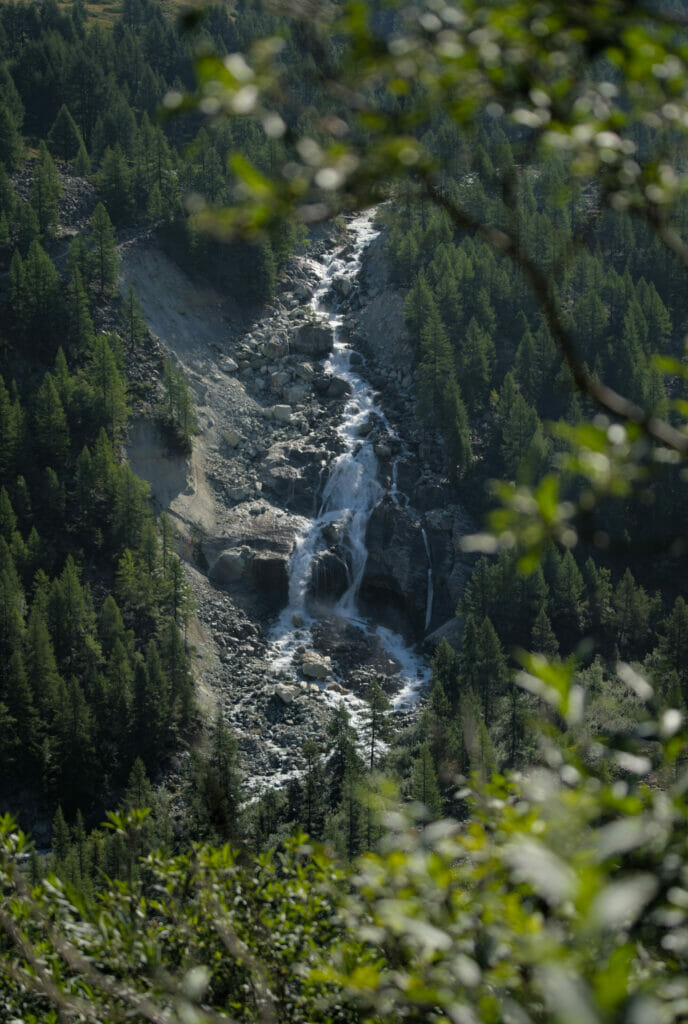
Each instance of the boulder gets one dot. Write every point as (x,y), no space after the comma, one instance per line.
(291,470)
(451,631)
(281,413)
(304,371)
(330,576)
(229,567)
(395,580)
(338,388)
(452,567)
(284,693)
(276,346)
(295,395)
(342,286)
(233,437)
(264,537)
(336,687)
(315,666)
(313,339)
(239,492)
(270,574)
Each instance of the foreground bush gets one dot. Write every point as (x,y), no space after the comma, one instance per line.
(562,898)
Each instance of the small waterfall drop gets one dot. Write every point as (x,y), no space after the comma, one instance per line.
(350,494)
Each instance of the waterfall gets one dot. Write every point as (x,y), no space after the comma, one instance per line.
(350,494)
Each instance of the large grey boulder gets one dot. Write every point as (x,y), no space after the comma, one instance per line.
(445,527)
(295,394)
(338,388)
(395,580)
(313,340)
(291,471)
(254,551)
(342,286)
(230,566)
(282,413)
(330,577)
(315,666)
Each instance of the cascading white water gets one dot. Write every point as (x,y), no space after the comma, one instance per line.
(349,497)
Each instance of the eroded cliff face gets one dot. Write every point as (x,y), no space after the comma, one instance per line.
(268,414)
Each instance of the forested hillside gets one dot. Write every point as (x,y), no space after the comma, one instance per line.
(95,671)
(514,847)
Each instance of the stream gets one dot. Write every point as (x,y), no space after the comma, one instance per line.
(351,492)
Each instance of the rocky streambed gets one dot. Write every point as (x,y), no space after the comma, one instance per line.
(324,375)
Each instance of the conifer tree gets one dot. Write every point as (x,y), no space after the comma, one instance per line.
(117,699)
(439,727)
(632,613)
(135,327)
(518,429)
(101,243)
(10,94)
(35,297)
(376,720)
(80,845)
(542,638)
(419,308)
(424,787)
(11,147)
(178,410)
(8,520)
(45,192)
(74,735)
(79,259)
(82,163)
(64,137)
(599,593)
(6,245)
(219,783)
(343,752)
(527,369)
(176,664)
(50,428)
(139,792)
(567,601)
(61,839)
(515,724)
(483,665)
(439,396)
(40,664)
(351,809)
(312,817)
(476,360)
(78,315)
(16,694)
(672,651)
(109,394)
(445,671)
(479,751)
(115,185)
